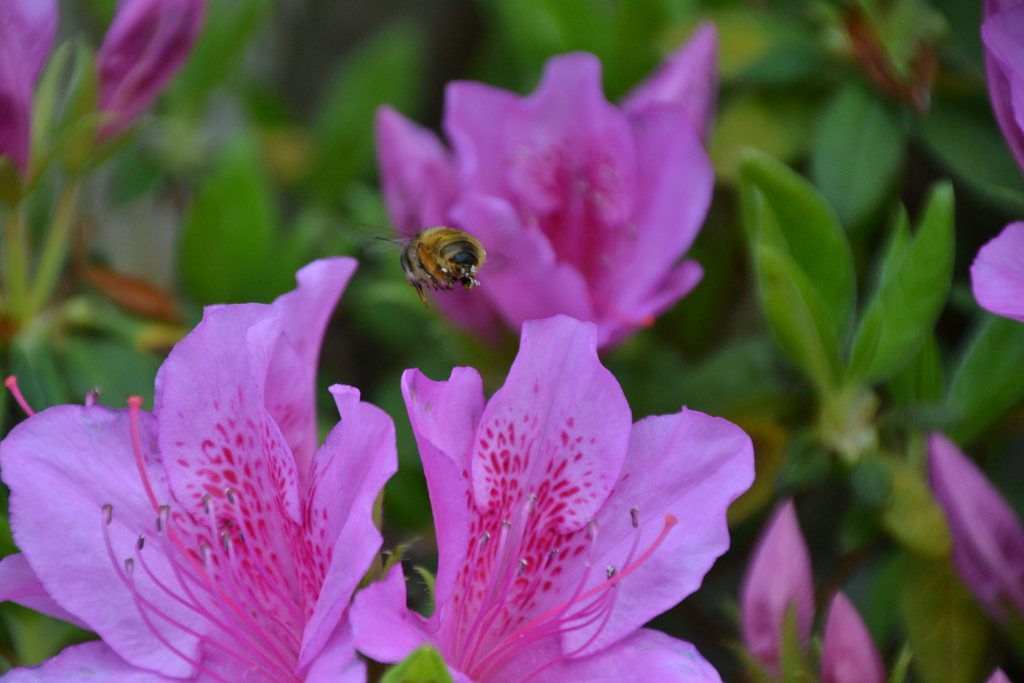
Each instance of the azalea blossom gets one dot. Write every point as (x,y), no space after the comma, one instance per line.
(988,540)
(997,274)
(562,528)
(778,579)
(584,208)
(1004,65)
(144,47)
(209,539)
(849,655)
(27,28)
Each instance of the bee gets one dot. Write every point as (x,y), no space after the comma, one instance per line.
(439,257)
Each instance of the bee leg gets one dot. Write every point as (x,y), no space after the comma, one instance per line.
(423,296)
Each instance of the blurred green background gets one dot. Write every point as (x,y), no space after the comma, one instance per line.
(259,158)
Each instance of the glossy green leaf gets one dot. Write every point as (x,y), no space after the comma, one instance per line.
(425,665)
(386,70)
(808,231)
(990,378)
(916,276)
(920,380)
(116,370)
(857,154)
(946,629)
(230,229)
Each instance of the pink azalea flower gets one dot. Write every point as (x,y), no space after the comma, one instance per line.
(997,274)
(585,209)
(206,540)
(778,579)
(849,654)
(27,28)
(1004,64)
(988,540)
(144,47)
(998,677)
(562,528)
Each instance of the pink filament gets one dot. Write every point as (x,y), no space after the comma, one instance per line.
(12,384)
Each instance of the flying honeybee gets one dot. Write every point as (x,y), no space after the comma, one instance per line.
(440,257)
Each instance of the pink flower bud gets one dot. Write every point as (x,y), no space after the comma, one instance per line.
(1004,65)
(849,654)
(26,32)
(777,578)
(988,541)
(998,677)
(144,47)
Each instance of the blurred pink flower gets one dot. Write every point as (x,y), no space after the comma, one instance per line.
(997,274)
(144,47)
(849,655)
(27,28)
(988,541)
(562,528)
(585,209)
(206,539)
(1004,64)
(778,579)
(998,677)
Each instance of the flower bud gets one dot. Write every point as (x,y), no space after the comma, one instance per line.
(26,32)
(988,541)
(144,47)
(849,654)
(1004,65)
(778,578)
(998,677)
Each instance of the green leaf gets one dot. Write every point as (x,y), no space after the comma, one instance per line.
(914,286)
(45,98)
(911,515)
(117,370)
(387,70)
(431,581)
(947,631)
(920,380)
(34,363)
(796,668)
(808,231)
(230,229)
(425,665)
(990,378)
(857,153)
(774,124)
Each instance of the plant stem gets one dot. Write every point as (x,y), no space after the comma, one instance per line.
(15,257)
(55,249)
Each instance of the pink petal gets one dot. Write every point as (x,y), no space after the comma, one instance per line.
(348,472)
(384,628)
(998,677)
(988,540)
(647,656)
(93,661)
(444,418)
(688,78)
(291,382)
(474,114)
(997,273)
(678,283)
(19,585)
(33,23)
(417,173)
(62,466)
(337,662)
(676,179)
(778,577)
(849,654)
(690,466)
(1004,65)
(522,279)
(560,422)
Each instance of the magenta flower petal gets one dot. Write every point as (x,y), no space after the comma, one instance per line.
(471,113)
(385,630)
(144,47)
(34,24)
(849,654)
(998,677)
(338,663)
(997,274)
(1004,66)
(688,78)
(988,540)
(291,382)
(778,577)
(19,584)
(532,491)
(417,173)
(88,661)
(643,657)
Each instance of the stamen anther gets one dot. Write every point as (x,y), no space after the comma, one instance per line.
(523,564)
(634,515)
(12,384)
(108,513)
(610,571)
(229,493)
(206,503)
(92,397)
(141,543)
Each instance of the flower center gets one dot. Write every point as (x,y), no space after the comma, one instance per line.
(211,580)
(477,650)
